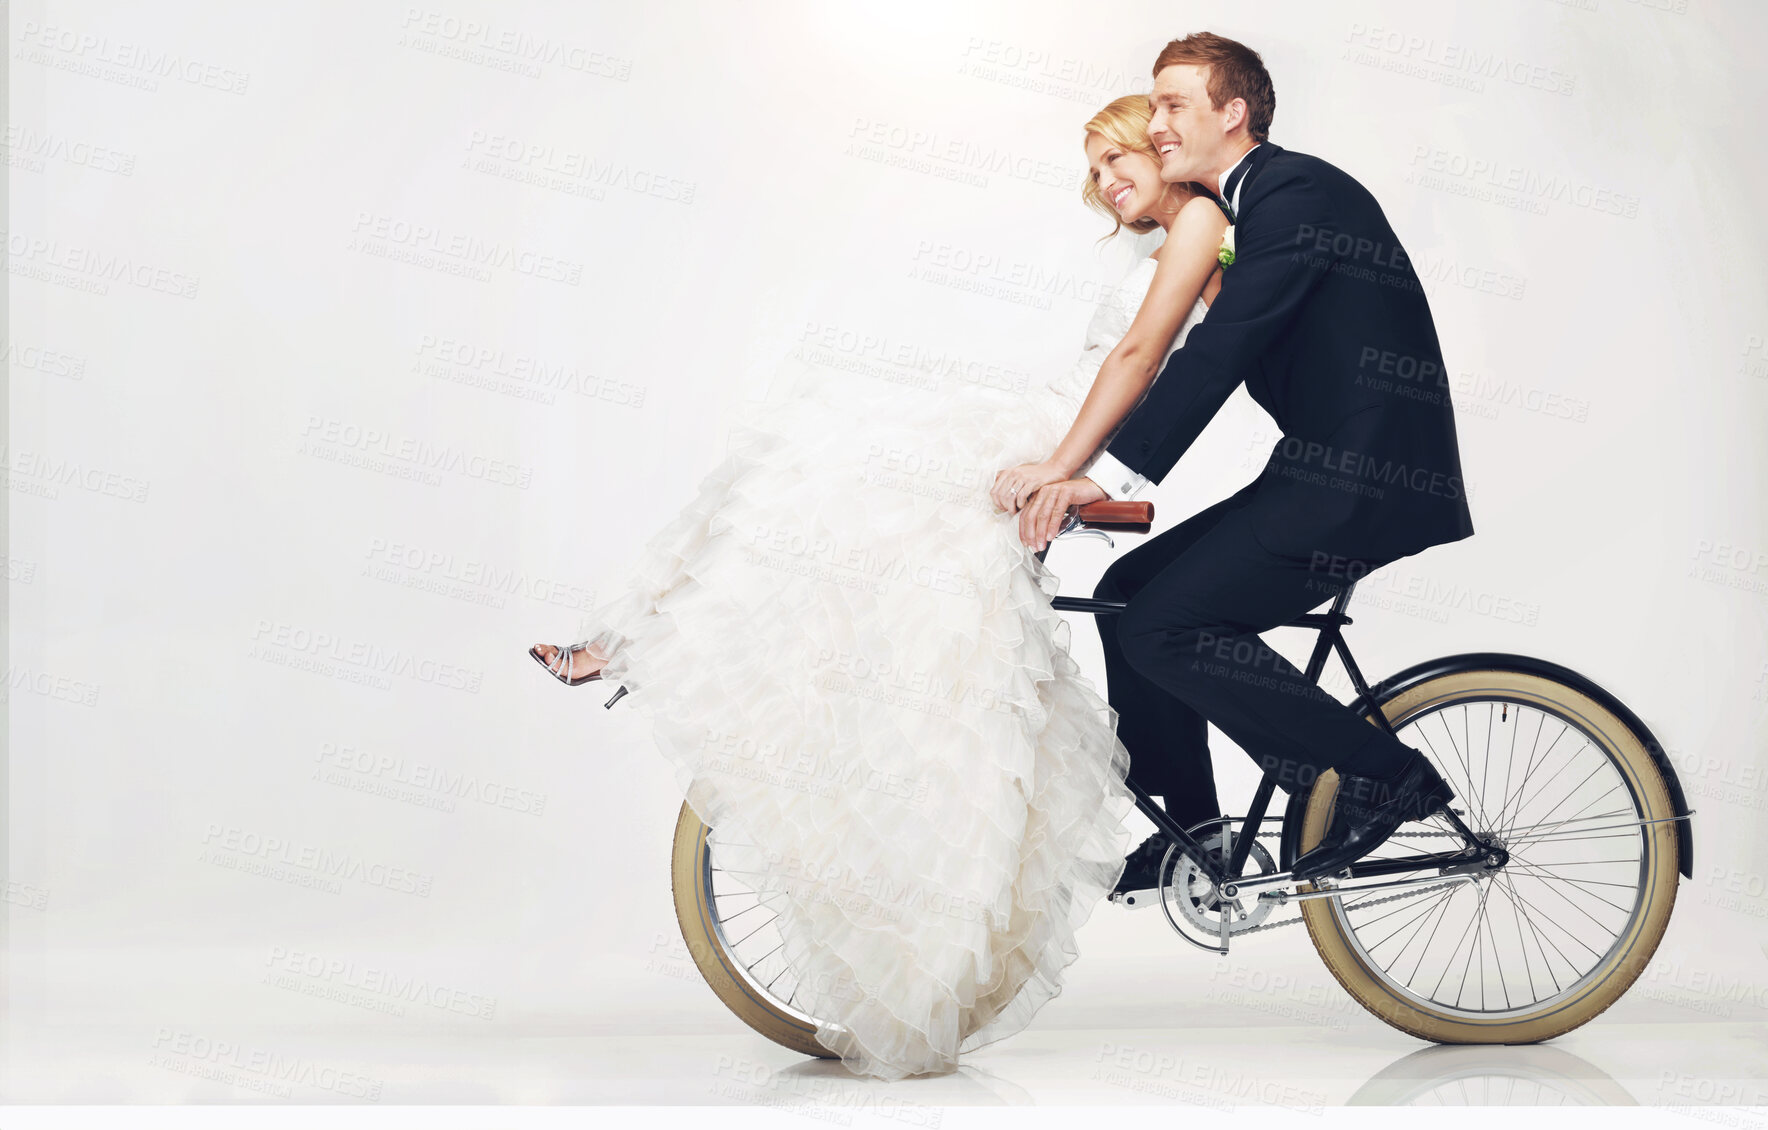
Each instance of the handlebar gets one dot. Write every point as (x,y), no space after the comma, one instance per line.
(1137,517)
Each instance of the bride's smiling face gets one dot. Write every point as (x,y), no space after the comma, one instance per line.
(1128,179)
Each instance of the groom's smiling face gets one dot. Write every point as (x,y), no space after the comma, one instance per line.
(1191,135)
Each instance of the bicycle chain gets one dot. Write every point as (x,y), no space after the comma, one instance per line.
(1413,893)
(1407,836)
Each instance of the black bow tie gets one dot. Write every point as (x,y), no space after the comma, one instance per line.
(1232,183)
(1223,205)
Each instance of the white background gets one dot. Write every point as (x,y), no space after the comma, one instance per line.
(258,434)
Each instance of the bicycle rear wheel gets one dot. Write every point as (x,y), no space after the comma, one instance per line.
(733,943)
(1555,936)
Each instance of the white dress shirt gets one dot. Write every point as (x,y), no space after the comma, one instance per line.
(1107,470)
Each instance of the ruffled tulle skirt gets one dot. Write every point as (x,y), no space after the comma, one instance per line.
(853,665)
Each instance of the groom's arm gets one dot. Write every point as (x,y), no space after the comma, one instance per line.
(1276,266)
(1114,478)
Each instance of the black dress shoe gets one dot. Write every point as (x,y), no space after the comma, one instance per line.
(1141,868)
(1369,810)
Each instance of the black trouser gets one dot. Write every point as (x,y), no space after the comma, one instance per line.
(1186,651)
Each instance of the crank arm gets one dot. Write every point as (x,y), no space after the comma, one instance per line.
(1137,900)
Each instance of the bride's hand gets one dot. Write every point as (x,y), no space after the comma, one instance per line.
(1013,487)
(1042,518)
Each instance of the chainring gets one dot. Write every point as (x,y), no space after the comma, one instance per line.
(1184,883)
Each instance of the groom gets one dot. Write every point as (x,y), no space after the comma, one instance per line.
(1322,316)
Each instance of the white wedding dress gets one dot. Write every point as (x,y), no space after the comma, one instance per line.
(852,662)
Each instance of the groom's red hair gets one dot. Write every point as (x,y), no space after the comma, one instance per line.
(1235,71)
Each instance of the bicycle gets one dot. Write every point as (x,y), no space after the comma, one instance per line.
(1491,877)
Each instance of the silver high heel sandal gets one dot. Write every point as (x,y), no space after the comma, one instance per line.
(563,665)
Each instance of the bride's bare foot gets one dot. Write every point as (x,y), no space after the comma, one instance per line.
(579,666)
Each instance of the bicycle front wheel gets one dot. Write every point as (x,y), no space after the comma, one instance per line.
(1554,937)
(732,939)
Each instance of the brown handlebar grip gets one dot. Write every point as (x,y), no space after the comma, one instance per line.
(1117,514)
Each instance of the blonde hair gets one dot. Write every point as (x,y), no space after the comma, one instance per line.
(1124,123)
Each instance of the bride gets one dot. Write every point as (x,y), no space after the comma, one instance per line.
(846,648)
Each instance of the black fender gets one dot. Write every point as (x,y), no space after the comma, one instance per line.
(1523,664)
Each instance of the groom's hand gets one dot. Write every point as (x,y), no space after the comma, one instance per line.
(1042,517)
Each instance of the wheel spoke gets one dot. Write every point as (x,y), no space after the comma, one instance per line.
(1550,920)
(1510,761)
(1533,830)
(1521,803)
(1485,768)
(1522,946)
(1406,923)
(751,934)
(1443,913)
(1452,953)
(1469,759)
(1541,940)
(1517,900)
(1466,772)
(1497,959)
(1576,839)
(1600,766)
(1578,885)
(1522,789)
(741,912)
(1529,767)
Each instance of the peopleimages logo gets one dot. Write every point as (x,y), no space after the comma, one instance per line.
(476,41)
(253,1068)
(329,434)
(240,844)
(1293,454)
(1472,63)
(450,783)
(346,974)
(953,158)
(283,643)
(97,56)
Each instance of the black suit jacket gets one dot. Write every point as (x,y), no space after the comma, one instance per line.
(1323,317)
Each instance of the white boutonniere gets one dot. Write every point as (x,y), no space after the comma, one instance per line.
(1225,254)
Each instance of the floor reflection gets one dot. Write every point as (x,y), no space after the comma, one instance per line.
(969,1085)
(1491,1075)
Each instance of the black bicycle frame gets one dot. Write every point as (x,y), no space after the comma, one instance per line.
(1331,639)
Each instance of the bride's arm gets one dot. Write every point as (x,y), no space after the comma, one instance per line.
(1186,261)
